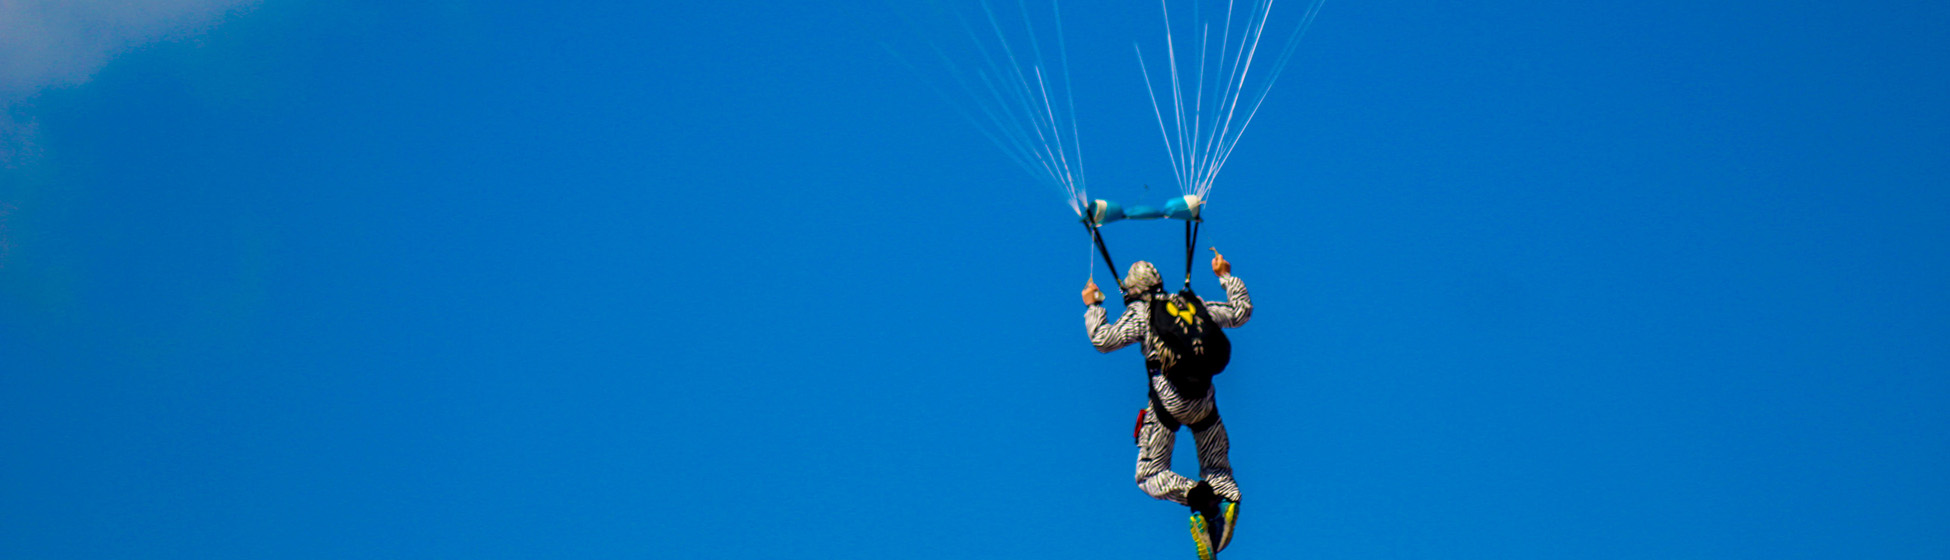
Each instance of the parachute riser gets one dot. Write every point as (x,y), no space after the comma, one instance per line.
(1098,238)
(1191,241)
(1189,208)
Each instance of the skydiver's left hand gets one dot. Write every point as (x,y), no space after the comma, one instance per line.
(1092,295)
(1220,267)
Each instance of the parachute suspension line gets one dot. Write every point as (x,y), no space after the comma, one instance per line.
(1177,92)
(990,78)
(1015,93)
(1055,132)
(1203,136)
(1279,67)
(1159,113)
(1013,147)
(1198,100)
(1025,96)
(1228,101)
(1077,196)
(1049,109)
(1023,152)
(1225,89)
(1242,67)
(1054,118)
(1003,114)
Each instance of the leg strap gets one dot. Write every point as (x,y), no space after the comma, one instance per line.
(1172,423)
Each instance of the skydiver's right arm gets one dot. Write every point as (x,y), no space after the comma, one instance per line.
(1236,309)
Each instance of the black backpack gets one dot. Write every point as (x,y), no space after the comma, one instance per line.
(1190,346)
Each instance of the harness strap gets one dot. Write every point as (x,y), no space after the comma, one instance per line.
(1172,423)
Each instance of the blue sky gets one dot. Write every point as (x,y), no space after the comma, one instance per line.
(502,280)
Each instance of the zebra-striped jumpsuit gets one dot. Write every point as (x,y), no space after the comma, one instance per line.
(1155,441)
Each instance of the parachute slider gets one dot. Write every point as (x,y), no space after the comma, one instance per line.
(1184,208)
(1143,213)
(1099,212)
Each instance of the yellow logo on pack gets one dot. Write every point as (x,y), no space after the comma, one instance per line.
(1183,314)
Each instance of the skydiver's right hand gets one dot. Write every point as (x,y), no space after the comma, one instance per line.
(1091,295)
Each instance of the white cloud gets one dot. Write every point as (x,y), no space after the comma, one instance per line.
(52,43)
(47,43)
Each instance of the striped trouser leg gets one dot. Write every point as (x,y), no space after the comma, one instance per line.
(1213,465)
(1156,437)
(1154,474)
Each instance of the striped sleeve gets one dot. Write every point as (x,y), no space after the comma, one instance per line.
(1107,337)
(1237,307)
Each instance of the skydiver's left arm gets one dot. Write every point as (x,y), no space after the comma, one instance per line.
(1106,336)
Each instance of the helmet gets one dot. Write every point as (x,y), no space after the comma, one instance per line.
(1142,279)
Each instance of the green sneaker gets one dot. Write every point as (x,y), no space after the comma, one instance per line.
(1202,538)
(1231,520)
(1211,525)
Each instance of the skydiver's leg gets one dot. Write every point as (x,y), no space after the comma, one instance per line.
(1213,465)
(1216,471)
(1154,474)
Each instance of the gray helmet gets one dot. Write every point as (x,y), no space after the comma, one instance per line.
(1142,279)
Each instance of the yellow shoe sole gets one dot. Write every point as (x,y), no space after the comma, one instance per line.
(1232,521)
(1202,540)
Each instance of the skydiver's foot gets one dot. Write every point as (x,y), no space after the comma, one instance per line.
(1230,516)
(1202,538)
(1215,530)
(1209,512)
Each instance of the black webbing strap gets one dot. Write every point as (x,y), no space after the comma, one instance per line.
(1171,423)
(1105,251)
(1191,243)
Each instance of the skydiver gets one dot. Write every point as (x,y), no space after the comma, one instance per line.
(1214,500)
